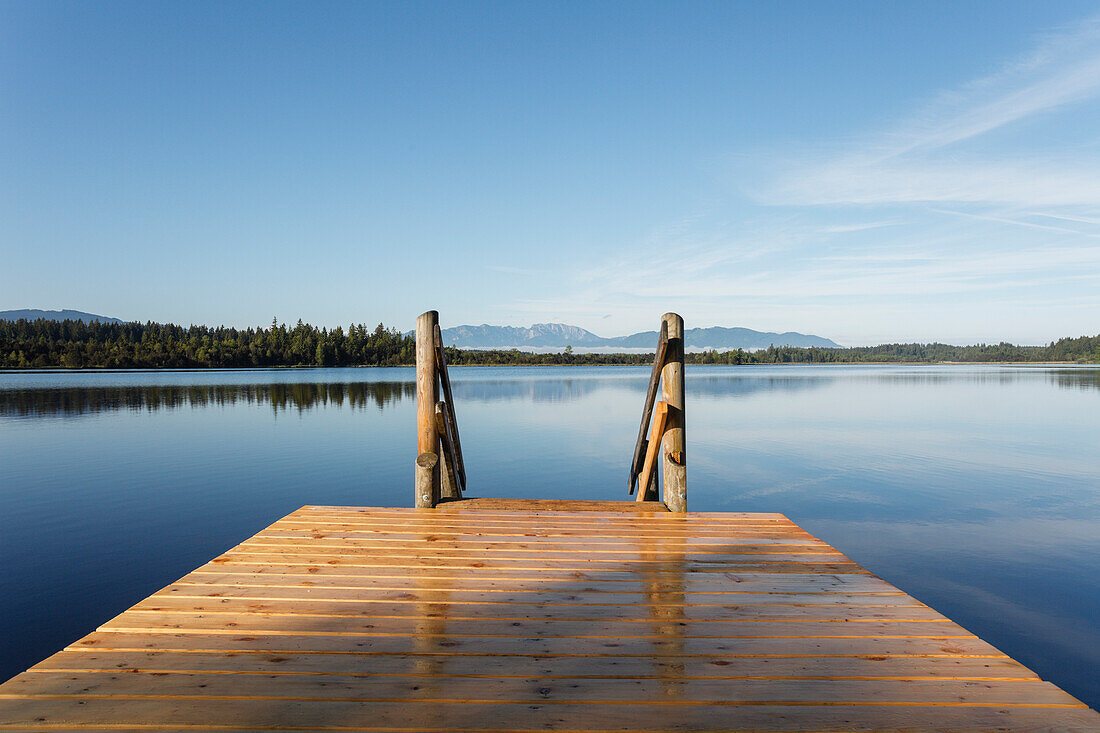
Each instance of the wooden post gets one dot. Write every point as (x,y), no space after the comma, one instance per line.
(674,447)
(427,394)
(427,493)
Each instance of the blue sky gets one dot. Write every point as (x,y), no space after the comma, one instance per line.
(867,171)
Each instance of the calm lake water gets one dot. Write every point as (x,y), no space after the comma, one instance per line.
(976,489)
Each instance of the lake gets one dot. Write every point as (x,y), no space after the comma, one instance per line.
(975,489)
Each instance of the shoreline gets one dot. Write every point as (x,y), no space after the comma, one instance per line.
(116,370)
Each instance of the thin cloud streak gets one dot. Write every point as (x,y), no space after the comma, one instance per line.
(921,160)
(1064,68)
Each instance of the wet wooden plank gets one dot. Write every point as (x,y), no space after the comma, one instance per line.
(525,505)
(552,667)
(440,608)
(473,715)
(351,625)
(535,689)
(503,615)
(442,644)
(242,586)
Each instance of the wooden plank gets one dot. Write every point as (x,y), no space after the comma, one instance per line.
(658,571)
(498,550)
(617,574)
(580,564)
(441,606)
(230,639)
(653,448)
(507,582)
(424,530)
(647,408)
(453,486)
(578,667)
(351,625)
(656,598)
(480,716)
(542,505)
(733,557)
(536,689)
(375,510)
(619,510)
(449,401)
(542,538)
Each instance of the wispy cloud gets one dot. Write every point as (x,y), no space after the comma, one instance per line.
(1063,69)
(934,155)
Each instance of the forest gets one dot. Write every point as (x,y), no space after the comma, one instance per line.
(45,344)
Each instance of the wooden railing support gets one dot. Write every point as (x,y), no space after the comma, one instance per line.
(665,443)
(647,479)
(427,394)
(648,492)
(674,448)
(451,475)
(451,422)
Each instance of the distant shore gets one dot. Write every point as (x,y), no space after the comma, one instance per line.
(71,344)
(306,367)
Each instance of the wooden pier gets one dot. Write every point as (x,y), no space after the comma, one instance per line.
(492,615)
(520,616)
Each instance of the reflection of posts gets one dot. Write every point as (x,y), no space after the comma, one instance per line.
(427,394)
(674,448)
(432,607)
(664,589)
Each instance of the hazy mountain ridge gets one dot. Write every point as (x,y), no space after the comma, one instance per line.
(507,337)
(560,335)
(32,314)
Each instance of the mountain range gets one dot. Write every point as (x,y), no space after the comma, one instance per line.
(543,336)
(32,314)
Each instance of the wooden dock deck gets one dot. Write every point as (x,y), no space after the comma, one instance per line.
(498,616)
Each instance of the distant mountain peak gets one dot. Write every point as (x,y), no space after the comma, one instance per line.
(33,314)
(542,336)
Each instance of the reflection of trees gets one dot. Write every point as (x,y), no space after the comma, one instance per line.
(1075,378)
(542,388)
(301,396)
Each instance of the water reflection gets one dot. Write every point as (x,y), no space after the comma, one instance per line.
(959,483)
(74,401)
(1075,378)
(20,399)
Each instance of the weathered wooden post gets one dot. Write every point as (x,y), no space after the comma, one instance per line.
(427,495)
(674,447)
(427,394)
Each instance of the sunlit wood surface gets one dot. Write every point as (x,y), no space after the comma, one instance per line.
(478,618)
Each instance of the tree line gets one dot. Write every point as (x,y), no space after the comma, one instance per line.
(75,344)
(43,344)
